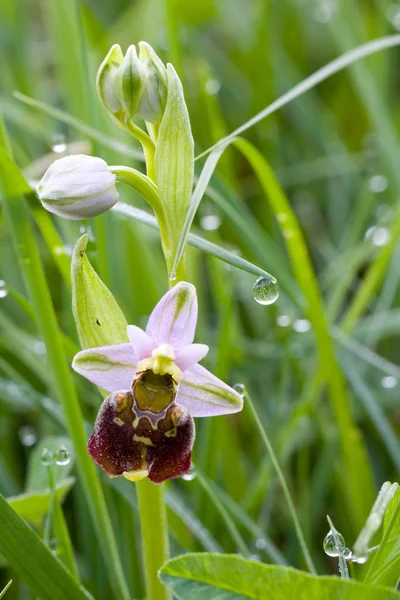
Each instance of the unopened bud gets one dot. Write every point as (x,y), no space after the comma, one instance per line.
(154,76)
(78,187)
(105,82)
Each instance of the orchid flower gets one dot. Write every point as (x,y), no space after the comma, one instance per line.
(145,427)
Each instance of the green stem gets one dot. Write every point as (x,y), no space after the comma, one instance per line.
(154,528)
(147,145)
(281,477)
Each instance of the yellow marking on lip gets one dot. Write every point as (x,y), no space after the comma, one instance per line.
(118,421)
(135,475)
(145,440)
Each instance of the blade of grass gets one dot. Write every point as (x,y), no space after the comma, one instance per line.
(33,561)
(328,70)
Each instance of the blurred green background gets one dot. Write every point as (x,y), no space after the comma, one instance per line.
(335,152)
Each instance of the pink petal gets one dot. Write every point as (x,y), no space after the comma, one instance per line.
(111,368)
(204,395)
(174,319)
(141,343)
(190,355)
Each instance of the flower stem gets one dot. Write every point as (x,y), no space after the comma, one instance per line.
(281,477)
(155,545)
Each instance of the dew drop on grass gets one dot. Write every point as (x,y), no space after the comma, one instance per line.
(210,222)
(27,435)
(266,290)
(46,457)
(3,289)
(261,544)
(62,457)
(346,553)
(332,546)
(389,381)
(240,388)
(172,276)
(190,475)
(59,144)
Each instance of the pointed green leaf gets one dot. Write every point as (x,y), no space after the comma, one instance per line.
(5,589)
(174,160)
(98,318)
(33,562)
(230,577)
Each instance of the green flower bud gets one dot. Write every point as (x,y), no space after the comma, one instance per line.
(128,83)
(105,83)
(154,76)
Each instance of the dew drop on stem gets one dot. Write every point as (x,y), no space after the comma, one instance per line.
(62,457)
(265,290)
(333,543)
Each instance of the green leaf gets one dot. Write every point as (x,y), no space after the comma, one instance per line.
(387,568)
(33,506)
(33,562)
(98,318)
(230,577)
(15,183)
(174,161)
(391,509)
(37,477)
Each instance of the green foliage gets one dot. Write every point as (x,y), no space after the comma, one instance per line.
(201,576)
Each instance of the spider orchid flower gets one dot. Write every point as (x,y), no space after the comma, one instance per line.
(145,427)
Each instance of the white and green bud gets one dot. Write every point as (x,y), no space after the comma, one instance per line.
(78,187)
(105,83)
(154,76)
(128,83)
(131,86)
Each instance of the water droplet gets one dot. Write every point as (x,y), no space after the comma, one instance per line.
(389,382)
(379,236)
(347,553)
(59,145)
(172,276)
(62,457)
(332,546)
(210,222)
(360,560)
(378,184)
(265,290)
(240,388)
(212,87)
(27,435)
(261,544)
(283,320)
(324,11)
(46,457)
(191,475)
(302,325)
(255,557)
(3,289)
(39,347)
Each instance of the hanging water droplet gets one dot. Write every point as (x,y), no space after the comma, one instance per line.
(255,557)
(389,382)
(190,475)
(210,222)
(3,289)
(27,435)
(46,457)
(172,276)
(283,320)
(332,546)
(240,388)
(302,325)
(379,236)
(59,145)
(347,554)
(266,290)
(261,544)
(62,457)
(378,184)
(360,560)
(212,87)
